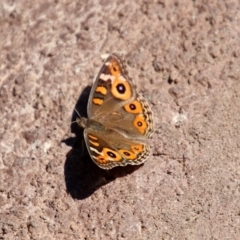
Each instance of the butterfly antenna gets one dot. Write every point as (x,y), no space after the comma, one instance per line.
(73,122)
(77,112)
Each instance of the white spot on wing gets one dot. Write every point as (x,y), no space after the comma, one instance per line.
(106,77)
(104,56)
(96,151)
(121,78)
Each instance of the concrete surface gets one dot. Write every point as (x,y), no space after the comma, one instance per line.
(184,57)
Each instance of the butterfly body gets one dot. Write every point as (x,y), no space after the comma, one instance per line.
(119,119)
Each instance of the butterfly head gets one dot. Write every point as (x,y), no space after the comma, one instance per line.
(82,122)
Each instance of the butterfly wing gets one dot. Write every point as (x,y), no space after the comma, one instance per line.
(109,149)
(115,103)
(110,88)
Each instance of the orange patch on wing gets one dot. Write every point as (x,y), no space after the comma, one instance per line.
(101,160)
(109,155)
(134,107)
(119,82)
(114,69)
(128,154)
(127,92)
(97,101)
(92,137)
(137,148)
(101,89)
(96,144)
(140,123)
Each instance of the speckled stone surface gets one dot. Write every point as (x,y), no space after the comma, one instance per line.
(184,56)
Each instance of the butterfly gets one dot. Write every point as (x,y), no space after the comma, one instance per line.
(119,118)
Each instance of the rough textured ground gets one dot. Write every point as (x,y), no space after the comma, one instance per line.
(185,58)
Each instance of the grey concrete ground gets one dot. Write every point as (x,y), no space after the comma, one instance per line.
(184,57)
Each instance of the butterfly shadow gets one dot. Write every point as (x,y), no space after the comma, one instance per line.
(82,176)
